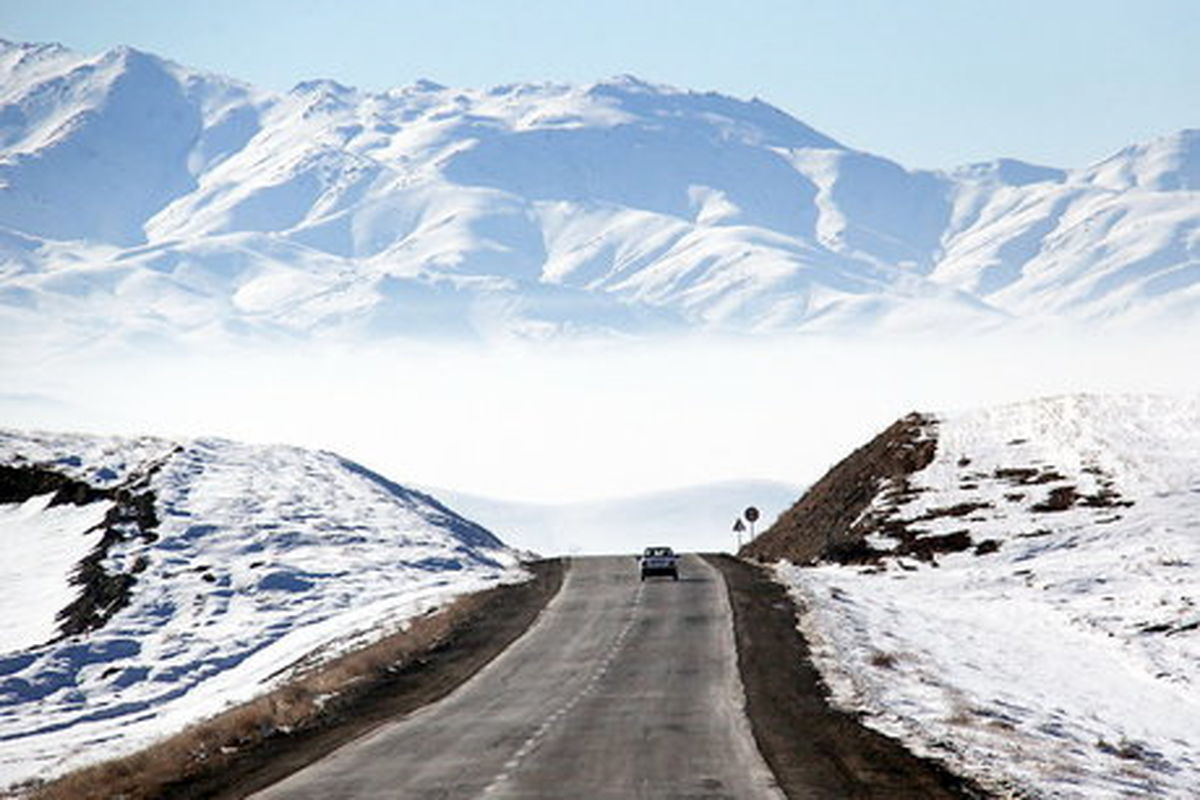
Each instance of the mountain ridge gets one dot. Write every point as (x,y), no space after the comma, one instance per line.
(163,202)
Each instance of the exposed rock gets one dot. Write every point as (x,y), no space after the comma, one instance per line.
(1060,499)
(925,548)
(986,547)
(101,592)
(20,483)
(1026,476)
(104,592)
(831,520)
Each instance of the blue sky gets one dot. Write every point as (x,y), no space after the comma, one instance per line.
(930,83)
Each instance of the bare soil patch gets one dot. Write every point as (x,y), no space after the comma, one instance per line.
(866,493)
(830,522)
(814,750)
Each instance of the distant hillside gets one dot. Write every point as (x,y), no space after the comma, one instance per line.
(692,519)
(145,201)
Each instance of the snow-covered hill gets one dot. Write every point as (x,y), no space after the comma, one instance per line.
(148,583)
(1030,612)
(142,199)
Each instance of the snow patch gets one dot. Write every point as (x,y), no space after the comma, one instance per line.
(262,555)
(1063,662)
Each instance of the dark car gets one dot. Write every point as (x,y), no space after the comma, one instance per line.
(659,561)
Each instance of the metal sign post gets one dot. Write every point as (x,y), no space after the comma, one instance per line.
(751,515)
(738,527)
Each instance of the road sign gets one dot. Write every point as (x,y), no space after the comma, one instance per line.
(751,514)
(739,526)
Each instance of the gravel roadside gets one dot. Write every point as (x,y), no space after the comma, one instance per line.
(503,614)
(814,750)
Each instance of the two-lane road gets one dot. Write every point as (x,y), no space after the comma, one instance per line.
(621,689)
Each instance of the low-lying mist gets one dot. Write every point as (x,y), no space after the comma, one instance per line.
(565,422)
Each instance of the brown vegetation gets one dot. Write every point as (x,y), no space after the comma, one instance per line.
(257,743)
(205,746)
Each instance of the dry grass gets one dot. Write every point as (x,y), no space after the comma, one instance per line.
(303,703)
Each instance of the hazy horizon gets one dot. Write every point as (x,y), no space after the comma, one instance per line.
(578,421)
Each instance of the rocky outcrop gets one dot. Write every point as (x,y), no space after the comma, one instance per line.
(103,589)
(20,482)
(831,521)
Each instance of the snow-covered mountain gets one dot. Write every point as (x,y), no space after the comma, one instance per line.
(142,199)
(1025,605)
(148,583)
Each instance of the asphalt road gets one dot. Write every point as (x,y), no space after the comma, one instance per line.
(621,689)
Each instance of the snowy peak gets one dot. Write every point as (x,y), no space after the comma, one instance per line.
(93,147)
(1169,164)
(324,86)
(25,59)
(1009,172)
(752,122)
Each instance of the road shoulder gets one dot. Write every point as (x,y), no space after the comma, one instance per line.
(502,616)
(813,749)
